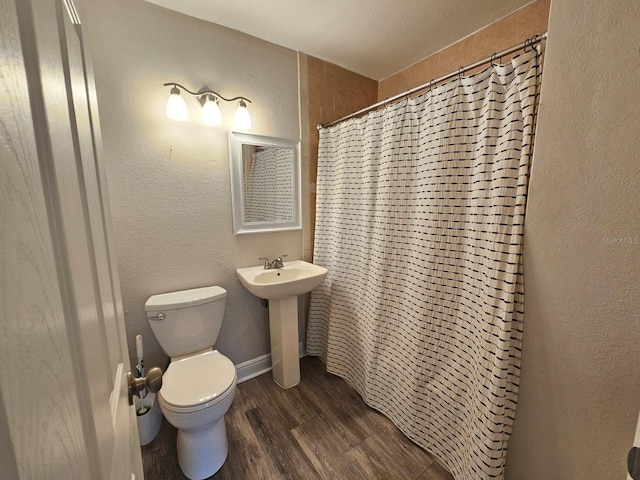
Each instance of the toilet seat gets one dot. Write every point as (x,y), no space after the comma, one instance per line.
(198,382)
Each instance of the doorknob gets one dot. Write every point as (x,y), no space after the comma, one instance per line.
(152,382)
(633,463)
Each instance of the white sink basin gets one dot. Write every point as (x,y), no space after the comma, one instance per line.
(281,286)
(295,278)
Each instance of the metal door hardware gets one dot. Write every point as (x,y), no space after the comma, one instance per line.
(633,463)
(152,382)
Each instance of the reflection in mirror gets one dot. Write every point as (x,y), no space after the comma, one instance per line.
(265,183)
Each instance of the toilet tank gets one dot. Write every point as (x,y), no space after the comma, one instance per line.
(186,321)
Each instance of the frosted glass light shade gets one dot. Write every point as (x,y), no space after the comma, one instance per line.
(176,107)
(211,112)
(242,119)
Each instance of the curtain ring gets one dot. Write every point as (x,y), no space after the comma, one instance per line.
(493,57)
(528,43)
(532,40)
(460,72)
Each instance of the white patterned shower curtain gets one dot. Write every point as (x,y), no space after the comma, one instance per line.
(420,212)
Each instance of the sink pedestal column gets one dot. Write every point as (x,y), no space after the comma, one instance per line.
(283,326)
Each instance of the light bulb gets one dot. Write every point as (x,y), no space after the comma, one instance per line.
(211,112)
(176,107)
(242,119)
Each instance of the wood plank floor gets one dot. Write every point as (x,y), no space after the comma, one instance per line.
(320,429)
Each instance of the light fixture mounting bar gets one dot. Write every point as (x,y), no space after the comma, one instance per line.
(206,92)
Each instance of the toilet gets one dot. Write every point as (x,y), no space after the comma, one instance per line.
(200,383)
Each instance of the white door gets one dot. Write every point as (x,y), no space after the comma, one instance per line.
(63,353)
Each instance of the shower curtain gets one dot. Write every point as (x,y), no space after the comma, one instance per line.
(420,212)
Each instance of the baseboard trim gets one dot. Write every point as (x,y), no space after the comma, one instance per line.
(254,367)
(259,365)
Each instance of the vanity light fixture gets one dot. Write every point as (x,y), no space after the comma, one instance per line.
(241,118)
(177,108)
(211,111)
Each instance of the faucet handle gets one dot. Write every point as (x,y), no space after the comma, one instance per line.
(267,264)
(283,256)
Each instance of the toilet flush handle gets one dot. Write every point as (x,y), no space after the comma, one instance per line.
(152,382)
(160,316)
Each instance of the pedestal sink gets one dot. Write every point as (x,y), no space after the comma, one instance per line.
(281,286)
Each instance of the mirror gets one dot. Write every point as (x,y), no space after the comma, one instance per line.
(265,183)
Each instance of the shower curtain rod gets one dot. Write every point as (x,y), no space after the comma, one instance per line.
(527,43)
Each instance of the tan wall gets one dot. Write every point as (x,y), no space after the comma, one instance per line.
(327,92)
(505,33)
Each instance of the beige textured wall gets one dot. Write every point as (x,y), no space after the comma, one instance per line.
(169,181)
(505,33)
(580,385)
(327,92)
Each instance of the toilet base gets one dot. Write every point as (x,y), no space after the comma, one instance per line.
(201,453)
(202,445)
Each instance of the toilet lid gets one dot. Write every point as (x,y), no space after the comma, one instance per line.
(197,380)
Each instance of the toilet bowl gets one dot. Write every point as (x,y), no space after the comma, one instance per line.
(200,383)
(196,393)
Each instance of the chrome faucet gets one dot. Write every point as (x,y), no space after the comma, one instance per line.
(276,263)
